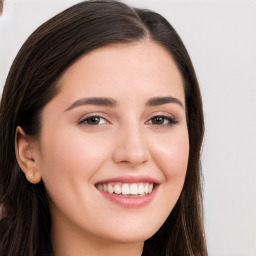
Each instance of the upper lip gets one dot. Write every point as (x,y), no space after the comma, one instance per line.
(129,179)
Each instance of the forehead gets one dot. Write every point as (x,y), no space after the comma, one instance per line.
(141,68)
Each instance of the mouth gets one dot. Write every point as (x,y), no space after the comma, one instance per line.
(127,189)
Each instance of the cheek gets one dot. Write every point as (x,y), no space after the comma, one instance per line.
(70,158)
(73,153)
(171,154)
(68,164)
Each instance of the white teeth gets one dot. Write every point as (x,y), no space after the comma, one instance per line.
(118,189)
(125,189)
(134,189)
(100,187)
(110,189)
(141,189)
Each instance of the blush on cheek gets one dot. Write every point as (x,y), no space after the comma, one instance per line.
(173,159)
(78,153)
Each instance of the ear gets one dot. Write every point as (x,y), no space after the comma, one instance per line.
(26,155)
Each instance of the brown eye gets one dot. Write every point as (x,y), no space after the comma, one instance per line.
(163,120)
(158,120)
(93,120)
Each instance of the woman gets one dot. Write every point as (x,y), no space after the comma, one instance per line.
(101,130)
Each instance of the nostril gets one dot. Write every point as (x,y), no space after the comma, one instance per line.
(134,162)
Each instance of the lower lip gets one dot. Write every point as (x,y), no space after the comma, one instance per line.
(130,202)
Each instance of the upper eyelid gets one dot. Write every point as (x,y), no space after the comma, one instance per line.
(162,113)
(94,114)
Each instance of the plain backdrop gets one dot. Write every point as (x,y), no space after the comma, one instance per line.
(221,39)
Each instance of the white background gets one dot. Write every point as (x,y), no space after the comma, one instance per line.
(221,39)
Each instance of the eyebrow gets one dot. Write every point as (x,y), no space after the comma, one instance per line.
(156,101)
(110,102)
(98,101)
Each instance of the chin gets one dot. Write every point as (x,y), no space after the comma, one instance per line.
(133,234)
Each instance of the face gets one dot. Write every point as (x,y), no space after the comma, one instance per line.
(113,148)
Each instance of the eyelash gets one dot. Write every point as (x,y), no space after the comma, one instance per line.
(85,120)
(171,120)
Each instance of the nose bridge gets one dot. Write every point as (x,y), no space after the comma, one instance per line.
(131,146)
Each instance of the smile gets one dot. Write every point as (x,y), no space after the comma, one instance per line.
(127,189)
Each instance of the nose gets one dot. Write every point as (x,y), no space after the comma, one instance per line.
(131,147)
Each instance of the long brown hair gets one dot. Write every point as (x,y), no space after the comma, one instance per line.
(32,83)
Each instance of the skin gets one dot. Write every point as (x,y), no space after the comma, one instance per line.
(71,157)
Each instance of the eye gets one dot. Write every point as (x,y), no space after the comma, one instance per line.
(162,120)
(93,120)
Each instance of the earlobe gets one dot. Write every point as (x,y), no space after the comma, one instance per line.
(26,157)
(33,176)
